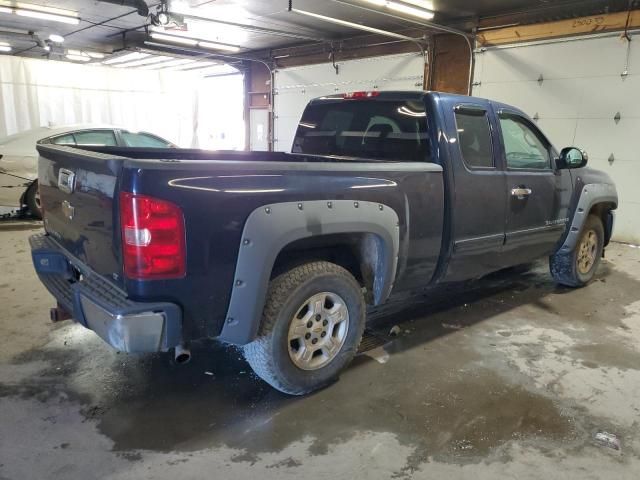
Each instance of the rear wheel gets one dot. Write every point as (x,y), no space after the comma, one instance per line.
(311,327)
(32,200)
(577,267)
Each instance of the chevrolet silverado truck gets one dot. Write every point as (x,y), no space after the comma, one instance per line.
(281,253)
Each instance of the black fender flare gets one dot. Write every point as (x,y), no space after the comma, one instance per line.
(271,228)
(591,194)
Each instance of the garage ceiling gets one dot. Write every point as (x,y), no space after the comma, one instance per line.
(105,27)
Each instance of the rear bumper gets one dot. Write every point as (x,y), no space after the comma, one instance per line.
(99,305)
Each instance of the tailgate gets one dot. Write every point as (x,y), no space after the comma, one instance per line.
(77,191)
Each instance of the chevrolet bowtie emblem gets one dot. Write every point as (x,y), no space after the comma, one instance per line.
(68,210)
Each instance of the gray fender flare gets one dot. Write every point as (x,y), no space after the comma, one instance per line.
(270,228)
(592,194)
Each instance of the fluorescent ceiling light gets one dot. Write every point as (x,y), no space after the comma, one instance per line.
(144,61)
(199,66)
(174,38)
(5,10)
(95,54)
(192,66)
(422,12)
(218,46)
(78,58)
(416,12)
(356,26)
(427,5)
(56,38)
(5,48)
(125,58)
(47,16)
(168,64)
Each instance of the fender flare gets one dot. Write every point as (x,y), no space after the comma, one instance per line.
(271,228)
(591,194)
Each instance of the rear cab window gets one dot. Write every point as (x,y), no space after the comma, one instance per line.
(393,130)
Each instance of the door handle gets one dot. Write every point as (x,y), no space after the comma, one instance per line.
(521,192)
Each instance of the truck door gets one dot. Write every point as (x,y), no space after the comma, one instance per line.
(538,194)
(478,197)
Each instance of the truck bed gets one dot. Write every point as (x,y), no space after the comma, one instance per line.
(217,191)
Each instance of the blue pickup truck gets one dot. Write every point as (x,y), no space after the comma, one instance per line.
(280,253)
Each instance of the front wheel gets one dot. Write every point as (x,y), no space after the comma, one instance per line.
(32,200)
(311,327)
(577,267)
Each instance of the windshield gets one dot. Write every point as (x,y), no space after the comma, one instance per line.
(379,129)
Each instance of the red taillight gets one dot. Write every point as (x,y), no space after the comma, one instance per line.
(153,244)
(359,95)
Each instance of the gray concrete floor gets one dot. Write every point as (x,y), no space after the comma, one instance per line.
(508,377)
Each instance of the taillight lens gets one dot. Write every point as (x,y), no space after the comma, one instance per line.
(153,245)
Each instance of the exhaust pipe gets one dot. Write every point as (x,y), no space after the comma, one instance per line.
(59,313)
(182,354)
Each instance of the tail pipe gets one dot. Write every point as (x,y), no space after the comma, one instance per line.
(59,313)
(182,354)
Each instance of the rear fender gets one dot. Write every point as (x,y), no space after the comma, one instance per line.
(269,229)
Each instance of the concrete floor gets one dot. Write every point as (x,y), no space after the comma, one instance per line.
(508,377)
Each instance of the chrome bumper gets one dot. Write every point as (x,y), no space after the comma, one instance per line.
(99,305)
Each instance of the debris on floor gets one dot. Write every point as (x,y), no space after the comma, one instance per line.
(452,326)
(395,330)
(609,440)
(379,354)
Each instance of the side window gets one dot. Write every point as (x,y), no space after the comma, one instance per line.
(102,138)
(474,138)
(64,140)
(143,140)
(523,146)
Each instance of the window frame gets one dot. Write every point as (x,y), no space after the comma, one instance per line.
(503,112)
(472,107)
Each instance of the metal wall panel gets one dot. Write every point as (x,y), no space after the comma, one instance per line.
(295,86)
(576,87)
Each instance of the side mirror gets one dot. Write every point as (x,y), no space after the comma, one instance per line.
(572,157)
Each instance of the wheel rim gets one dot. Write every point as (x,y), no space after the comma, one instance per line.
(587,251)
(318,331)
(36,199)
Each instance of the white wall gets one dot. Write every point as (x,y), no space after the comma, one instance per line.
(583,88)
(295,86)
(36,93)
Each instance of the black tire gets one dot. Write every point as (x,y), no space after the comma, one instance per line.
(564,265)
(269,354)
(32,201)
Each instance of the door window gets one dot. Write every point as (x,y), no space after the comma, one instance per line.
(522,144)
(102,138)
(143,140)
(474,138)
(64,140)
